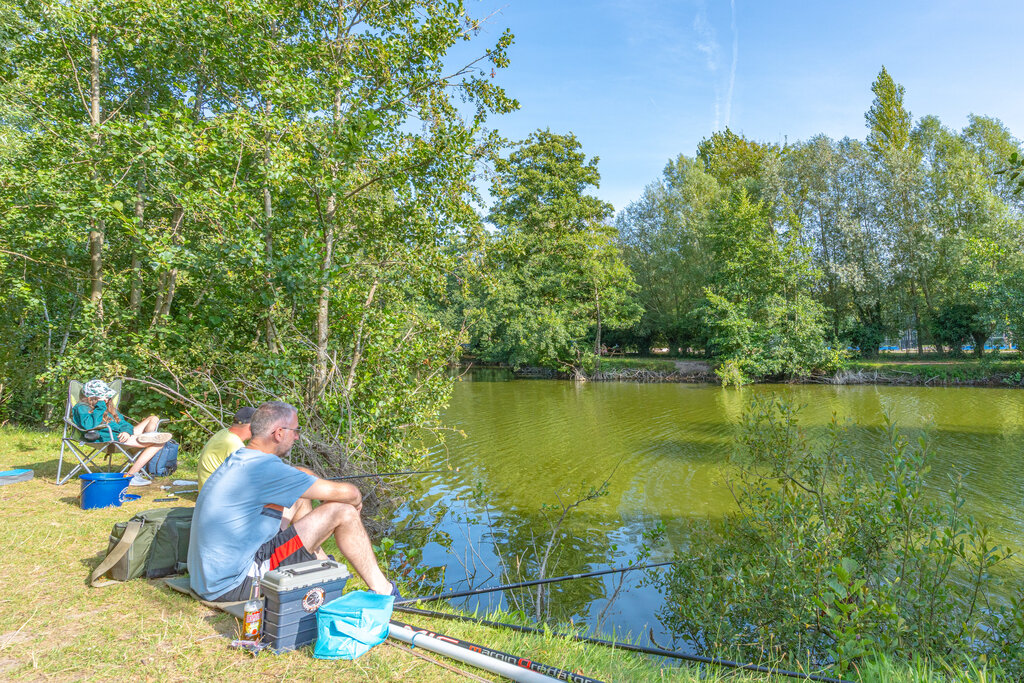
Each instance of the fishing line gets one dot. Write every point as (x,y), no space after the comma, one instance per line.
(384,474)
(526,584)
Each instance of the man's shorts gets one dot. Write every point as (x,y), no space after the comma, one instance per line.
(282,550)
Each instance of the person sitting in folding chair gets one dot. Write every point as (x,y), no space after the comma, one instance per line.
(92,415)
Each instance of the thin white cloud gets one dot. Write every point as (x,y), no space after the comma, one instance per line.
(651,27)
(679,54)
(707,39)
(732,68)
(707,45)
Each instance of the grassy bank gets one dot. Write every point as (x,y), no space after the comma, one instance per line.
(934,368)
(54,626)
(612,363)
(929,369)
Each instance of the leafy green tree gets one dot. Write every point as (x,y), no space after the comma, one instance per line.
(1011,299)
(975,230)
(759,315)
(899,175)
(665,244)
(994,144)
(960,324)
(262,211)
(1014,173)
(731,158)
(832,194)
(904,228)
(557,278)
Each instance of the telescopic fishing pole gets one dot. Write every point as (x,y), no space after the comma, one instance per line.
(384,474)
(521,669)
(671,654)
(526,584)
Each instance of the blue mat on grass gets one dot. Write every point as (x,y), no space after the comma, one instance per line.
(15,476)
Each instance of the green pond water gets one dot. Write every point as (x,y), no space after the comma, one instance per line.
(532,443)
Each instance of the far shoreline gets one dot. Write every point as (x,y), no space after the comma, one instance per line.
(936,372)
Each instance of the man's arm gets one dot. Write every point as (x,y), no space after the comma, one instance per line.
(332,491)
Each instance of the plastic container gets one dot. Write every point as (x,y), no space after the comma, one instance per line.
(293,595)
(15,476)
(103,489)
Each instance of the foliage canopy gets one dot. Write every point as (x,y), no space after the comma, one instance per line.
(239,201)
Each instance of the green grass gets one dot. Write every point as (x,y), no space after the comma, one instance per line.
(54,626)
(613,363)
(936,356)
(943,368)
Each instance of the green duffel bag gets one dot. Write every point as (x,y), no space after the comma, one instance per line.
(153,543)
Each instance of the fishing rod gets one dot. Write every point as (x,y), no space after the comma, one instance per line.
(385,474)
(672,654)
(526,584)
(511,666)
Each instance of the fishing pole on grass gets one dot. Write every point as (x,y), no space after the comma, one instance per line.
(385,474)
(521,669)
(526,584)
(671,654)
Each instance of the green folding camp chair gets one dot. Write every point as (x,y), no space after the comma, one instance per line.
(84,451)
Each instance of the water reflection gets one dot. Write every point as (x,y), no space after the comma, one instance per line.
(530,441)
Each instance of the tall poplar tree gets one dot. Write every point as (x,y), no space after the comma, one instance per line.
(900,179)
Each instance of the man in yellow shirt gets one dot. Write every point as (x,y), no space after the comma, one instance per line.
(224,443)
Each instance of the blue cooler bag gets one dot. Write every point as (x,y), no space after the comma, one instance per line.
(348,627)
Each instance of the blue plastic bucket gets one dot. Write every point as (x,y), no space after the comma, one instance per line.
(103,489)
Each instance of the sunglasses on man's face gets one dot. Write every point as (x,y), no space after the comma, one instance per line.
(297,430)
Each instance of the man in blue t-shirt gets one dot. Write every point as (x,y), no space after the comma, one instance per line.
(255,514)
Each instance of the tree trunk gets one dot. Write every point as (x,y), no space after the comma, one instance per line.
(158,305)
(597,337)
(927,295)
(324,300)
(135,298)
(172,275)
(97,229)
(357,346)
(168,280)
(979,343)
(831,276)
(323,311)
(917,320)
(268,253)
(197,105)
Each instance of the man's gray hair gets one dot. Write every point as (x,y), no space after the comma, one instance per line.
(271,415)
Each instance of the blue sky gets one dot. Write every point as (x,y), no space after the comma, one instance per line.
(643,81)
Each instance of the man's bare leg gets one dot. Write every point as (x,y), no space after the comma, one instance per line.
(296,512)
(300,509)
(344,522)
